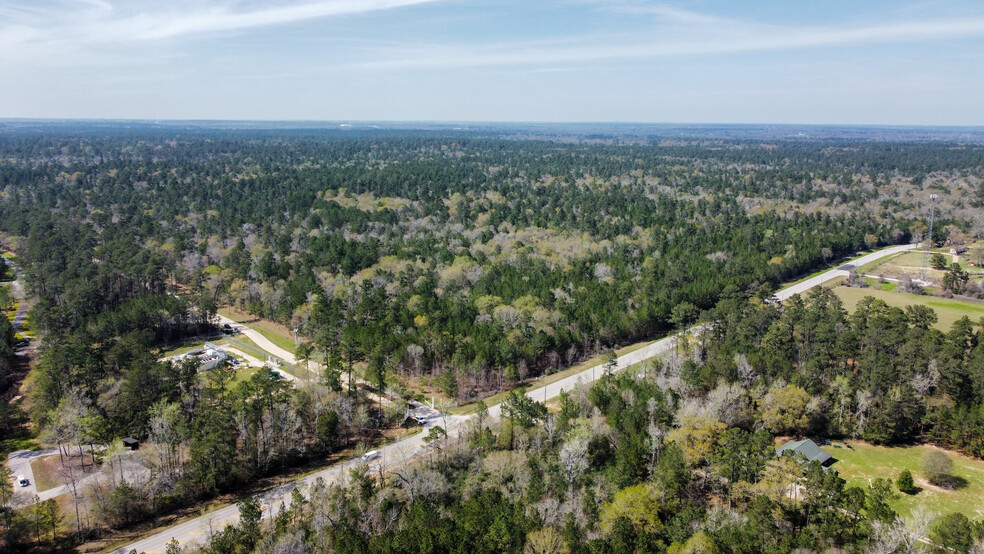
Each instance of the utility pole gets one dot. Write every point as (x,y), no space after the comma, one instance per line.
(929,243)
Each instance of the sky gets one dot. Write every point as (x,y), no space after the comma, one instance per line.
(877,62)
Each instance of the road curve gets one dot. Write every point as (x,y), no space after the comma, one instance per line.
(842,270)
(260,340)
(398,453)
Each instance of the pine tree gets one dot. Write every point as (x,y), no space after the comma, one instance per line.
(905,482)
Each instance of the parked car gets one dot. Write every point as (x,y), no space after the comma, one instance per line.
(22,481)
(22,343)
(371,455)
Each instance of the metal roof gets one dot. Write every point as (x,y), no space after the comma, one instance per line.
(807,448)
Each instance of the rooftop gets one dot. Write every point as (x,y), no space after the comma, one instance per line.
(808,449)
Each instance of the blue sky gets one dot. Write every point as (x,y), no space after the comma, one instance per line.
(831,62)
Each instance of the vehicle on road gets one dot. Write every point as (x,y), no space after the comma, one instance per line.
(371,455)
(22,481)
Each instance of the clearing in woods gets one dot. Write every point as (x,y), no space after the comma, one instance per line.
(864,462)
(947,310)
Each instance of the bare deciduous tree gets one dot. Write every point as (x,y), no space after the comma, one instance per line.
(574,457)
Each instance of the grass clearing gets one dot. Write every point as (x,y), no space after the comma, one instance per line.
(241,342)
(274,332)
(18,443)
(947,310)
(913,264)
(46,472)
(243,373)
(887,286)
(866,462)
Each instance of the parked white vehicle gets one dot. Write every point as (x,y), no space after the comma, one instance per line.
(371,455)
(22,481)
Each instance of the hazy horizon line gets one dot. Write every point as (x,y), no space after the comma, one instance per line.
(156,121)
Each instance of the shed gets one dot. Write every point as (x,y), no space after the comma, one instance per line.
(131,443)
(809,450)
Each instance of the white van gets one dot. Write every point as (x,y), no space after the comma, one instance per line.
(371,455)
(22,481)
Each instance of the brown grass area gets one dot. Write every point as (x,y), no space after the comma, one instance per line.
(47,470)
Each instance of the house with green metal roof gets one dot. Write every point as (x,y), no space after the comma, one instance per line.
(809,450)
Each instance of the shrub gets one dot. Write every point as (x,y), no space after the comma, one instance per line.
(905,482)
(937,466)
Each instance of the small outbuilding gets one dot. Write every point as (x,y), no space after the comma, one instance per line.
(809,450)
(131,443)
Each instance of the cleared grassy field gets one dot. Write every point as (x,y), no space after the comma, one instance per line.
(887,286)
(274,332)
(866,462)
(46,472)
(946,310)
(907,263)
(914,263)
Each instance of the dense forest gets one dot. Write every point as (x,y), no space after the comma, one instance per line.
(480,262)
(679,456)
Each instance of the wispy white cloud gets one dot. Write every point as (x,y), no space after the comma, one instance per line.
(677,33)
(102,21)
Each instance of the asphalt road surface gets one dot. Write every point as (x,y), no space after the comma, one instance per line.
(260,340)
(401,452)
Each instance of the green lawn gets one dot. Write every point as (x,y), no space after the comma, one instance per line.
(887,286)
(947,310)
(17,443)
(866,462)
(274,332)
(244,372)
(242,344)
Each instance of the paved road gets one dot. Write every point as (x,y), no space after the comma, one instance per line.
(260,340)
(19,463)
(269,347)
(198,529)
(841,271)
(401,452)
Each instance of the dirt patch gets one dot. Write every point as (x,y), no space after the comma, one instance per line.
(48,471)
